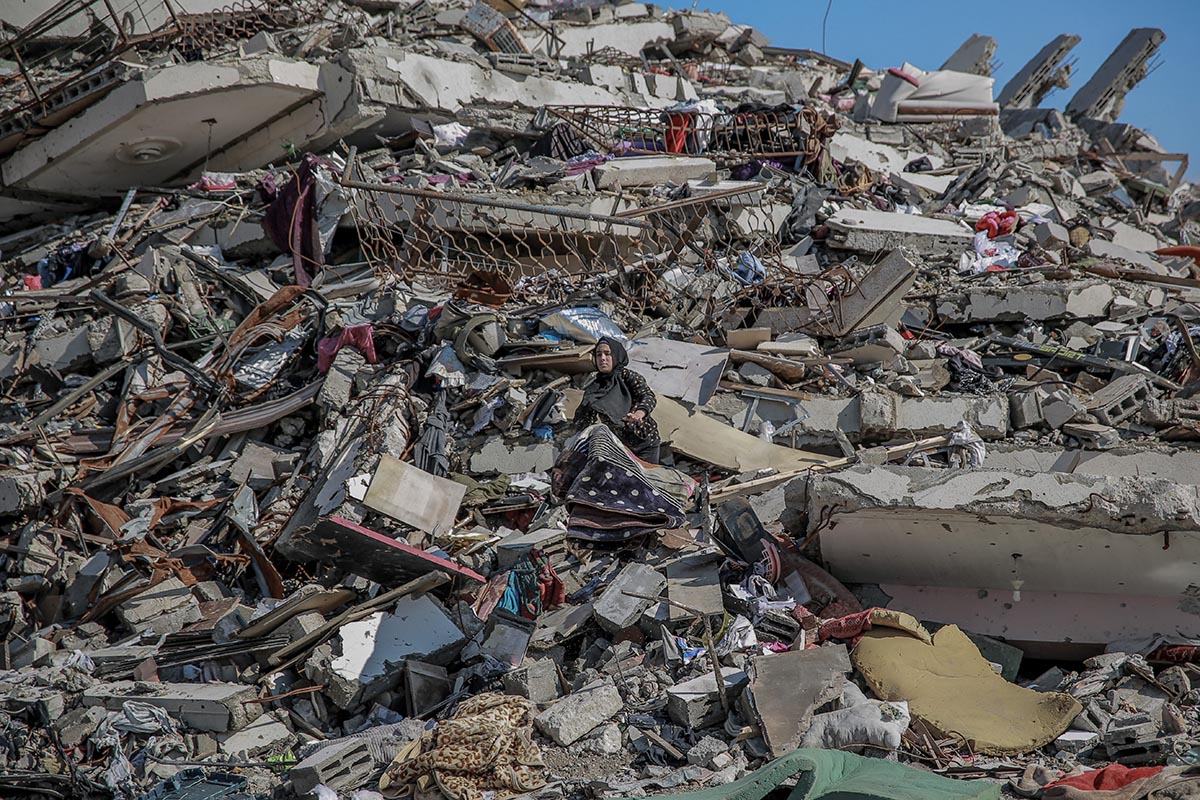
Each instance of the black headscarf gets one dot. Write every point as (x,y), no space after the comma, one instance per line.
(608,394)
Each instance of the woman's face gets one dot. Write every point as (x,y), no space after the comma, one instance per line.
(604,359)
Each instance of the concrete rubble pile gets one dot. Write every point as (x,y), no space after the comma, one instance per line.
(298,306)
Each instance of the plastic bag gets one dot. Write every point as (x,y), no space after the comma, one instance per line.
(583,324)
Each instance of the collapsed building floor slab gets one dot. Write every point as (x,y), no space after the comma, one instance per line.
(1035,558)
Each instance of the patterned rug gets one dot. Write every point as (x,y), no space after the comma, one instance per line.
(486,750)
(611,497)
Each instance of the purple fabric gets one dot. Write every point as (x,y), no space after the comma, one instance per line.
(291,218)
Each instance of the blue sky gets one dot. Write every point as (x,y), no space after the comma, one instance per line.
(925,32)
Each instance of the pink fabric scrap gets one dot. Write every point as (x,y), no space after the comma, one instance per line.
(360,337)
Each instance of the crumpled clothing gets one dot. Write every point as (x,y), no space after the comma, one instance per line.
(1114,776)
(1114,782)
(989,256)
(485,750)
(138,717)
(739,636)
(480,492)
(360,337)
(291,218)
(533,586)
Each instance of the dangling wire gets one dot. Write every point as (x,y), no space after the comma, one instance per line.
(824,20)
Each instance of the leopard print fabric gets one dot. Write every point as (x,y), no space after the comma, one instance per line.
(487,746)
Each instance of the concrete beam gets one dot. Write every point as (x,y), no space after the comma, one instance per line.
(1041,74)
(1103,96)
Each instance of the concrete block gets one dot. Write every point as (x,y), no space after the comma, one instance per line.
(572,717)
(696,704)
(877,411)
(536,680)
(1025,408)
(21,491)
(652,171)
(615,610)
(705,751)
(339,381)
(259,465)
(874,231)
(878,343)
(1120,400)
(163,608)
(343,765)
(1051,235)
(1060,408)
(261,736)
(77,724)
(215,707)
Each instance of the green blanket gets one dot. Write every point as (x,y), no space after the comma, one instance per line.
(836,775)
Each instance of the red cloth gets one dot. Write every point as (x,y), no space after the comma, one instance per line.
(848,627)
(997,223)
(553,590)
(360,337)
(32,282)
(1114,776)
(902,75)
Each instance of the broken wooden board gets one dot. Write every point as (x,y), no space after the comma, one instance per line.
(702,438)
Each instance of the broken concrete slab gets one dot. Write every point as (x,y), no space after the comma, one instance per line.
(875,231)
(693,581)
(215,707)
(1031,83)
(696,703)
(498,456)
(786,689)
(1039,302)
(633,171)
(1103,96)
(263,735)
(901,515)
(373,650)
(685,371)
(572,717)
(615,610)
(163,608)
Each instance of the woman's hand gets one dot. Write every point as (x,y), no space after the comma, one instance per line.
(635,416)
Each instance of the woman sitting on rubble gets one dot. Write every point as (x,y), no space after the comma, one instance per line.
(621,399)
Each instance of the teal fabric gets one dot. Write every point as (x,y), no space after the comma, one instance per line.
(835,775)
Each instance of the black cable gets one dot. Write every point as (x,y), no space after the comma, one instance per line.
(824,20)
